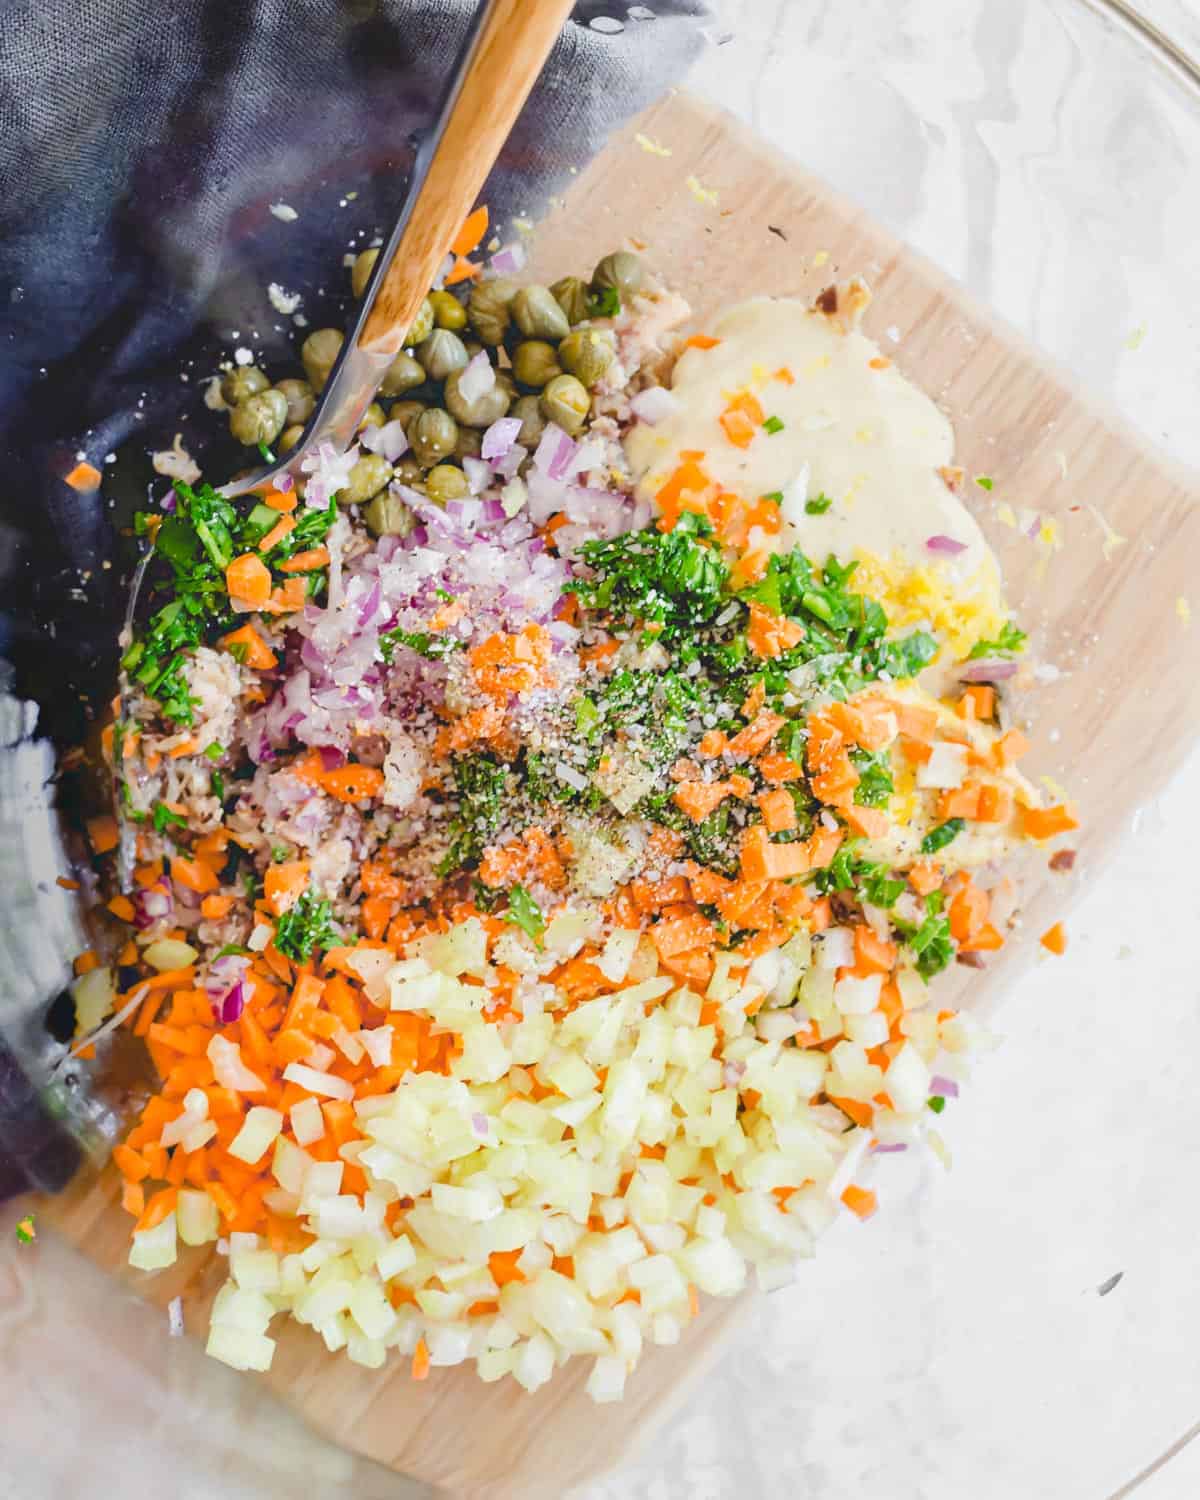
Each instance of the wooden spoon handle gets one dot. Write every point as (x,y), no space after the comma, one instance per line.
(512,44)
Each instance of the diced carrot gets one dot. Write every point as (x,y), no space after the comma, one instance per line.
(1010,747)
(353,783)
(121,907)
(871,822)
(257,653)
(1047,822)
(917,723)
(738,428)
(181,748)
(248,580)
(282,528)
(700,341)
(858,1111)
(682,934)
(503,1266)
(986,940)
(130,1165)
(421,1361)
(284,884)
(278,500)
(698,798)
(306,562)
(873,955)
(860,1201)
(462,270)
(216,907)
(778,810)
(1054,939)
(924,876)
(769,634)
(471,232)
(133,1198)
(757,735)
(102,833)
(968,911)
(84,477)
(961,802)
(995,804)
(713,742)
(785,375)
(193,874)
(778,769)
(158,1206)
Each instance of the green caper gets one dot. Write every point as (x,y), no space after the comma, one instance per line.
(566,401)
(571,294)
(421,326)
(387,515)
(534,362)
(489,309)
(538,315)
(621,271)
(242,382)
(409,471)
(485,409)
(259,418)
(448,311)
(367,478)
(406,412)
(441,354)
(586,353)
(299,397)
(533,424)
(289,437)
(373,416)
(469,443)
(445,482)
(432,436)
(403,374)
(318,353)
(360,272)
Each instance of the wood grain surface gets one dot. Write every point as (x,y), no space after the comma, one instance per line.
(1124,706)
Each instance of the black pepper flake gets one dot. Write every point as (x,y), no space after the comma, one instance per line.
(1106,1286)
(775,229)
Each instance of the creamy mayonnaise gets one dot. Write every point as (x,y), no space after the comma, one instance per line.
(864,436)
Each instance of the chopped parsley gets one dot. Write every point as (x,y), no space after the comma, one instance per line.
(937,1103)
(524,912)
(945,833)
(307,924)
(875,784)
(214,751)
(772,425)
(481,784)
(163,816)
(931,944)
(433,647)
(774,496)
(217,784)
(268,456)
(26,1233)
(818,505)
(984,481)
(1009,642)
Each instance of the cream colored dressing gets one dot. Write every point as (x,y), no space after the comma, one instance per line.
(867,438)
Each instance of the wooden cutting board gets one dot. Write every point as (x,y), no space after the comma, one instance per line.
(1125,705)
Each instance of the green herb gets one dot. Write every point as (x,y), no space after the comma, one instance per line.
(878,887)
(587,717)
(817,506)
(604,303)
(230,949)
(216,783)
(945,833)
(875,784)
(671,581)
(983,481)
(443,596)
(26,1233)
(524,912)
(279,852)
(774,496)
(931,945)
(268,456)
(481,784)
(433,647)
(937,1103)
(307,924)
(1009,643)
(772,425)
(214,751)
(162,816)
(240,652)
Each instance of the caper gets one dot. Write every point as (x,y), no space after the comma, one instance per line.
(259,418)
(441,354)
(571,294)
(538,315)
(586,353)
(421,326)
(534,362)
(244,381)
(445,482)
(409,471)
(367,478)
(566,401)
(432,436)
(469,443)
(488,308)
(360,272)
(448,311)
(318,352)
(406,412)
(485,409)
(373,416)
(299,397)
(533,423)
(621,271)
(289,437)
(387,515)
(403,374)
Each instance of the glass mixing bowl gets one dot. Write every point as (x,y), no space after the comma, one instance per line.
(1021,1325)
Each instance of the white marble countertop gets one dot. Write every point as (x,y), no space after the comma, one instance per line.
(955,1346)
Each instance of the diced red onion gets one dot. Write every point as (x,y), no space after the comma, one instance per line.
(233,1004)
(479,1123)
(390,440)
(479,474)
(989,669)
(1035,527)
(285,483)
(881,1148)
(500,437)
(732,1072)
(945,544)
(168,502)
(554,453)
(507,466)
(151,904)
(331,757)
(654,405)
(478,377)
(946,1087)
(509,259)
